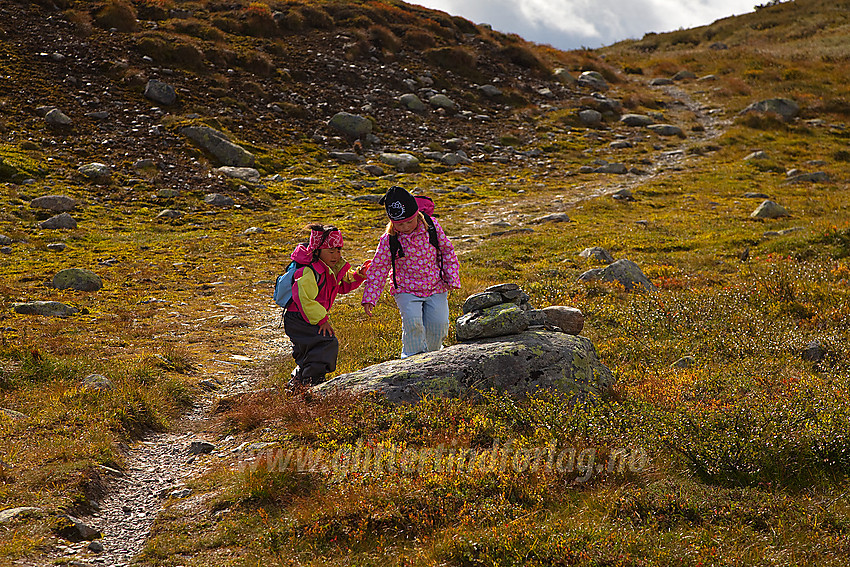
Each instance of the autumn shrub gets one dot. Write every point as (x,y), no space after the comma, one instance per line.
(80,21)
(454,58)
(194,27)
(384,38)
(258,20)
(524,56)
(118,14)
(419,39)
(316,17)
(154,9)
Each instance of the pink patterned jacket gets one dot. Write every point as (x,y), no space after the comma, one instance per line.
(417,272)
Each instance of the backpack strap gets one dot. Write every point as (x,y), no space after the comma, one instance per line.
(434,239)
(320,282)
(395,251)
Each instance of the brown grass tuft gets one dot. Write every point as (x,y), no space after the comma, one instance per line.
(420,39)
(118,14)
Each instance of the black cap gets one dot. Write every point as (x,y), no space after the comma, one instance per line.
(399,203)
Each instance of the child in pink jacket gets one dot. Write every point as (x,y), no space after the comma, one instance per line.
(423,269)
(314,289)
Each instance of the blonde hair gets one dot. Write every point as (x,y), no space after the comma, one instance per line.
(391,229)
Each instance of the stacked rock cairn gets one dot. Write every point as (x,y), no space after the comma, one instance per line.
(504,309)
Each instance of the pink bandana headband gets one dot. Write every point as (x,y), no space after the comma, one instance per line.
(320,239)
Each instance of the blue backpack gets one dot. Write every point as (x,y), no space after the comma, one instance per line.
(283,285)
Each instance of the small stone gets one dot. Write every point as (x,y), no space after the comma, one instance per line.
(597,253)
(218,200)
(684,362)
(79,279)
(45,308)
(59,222)
(201,448)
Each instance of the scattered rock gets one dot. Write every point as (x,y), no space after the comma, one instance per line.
(160,92)
(403,163)
(660,82)
(57,222)
(816,177)
(593,80)
(12,414)
(684,75)
(490,91)
(346,157)
(412,102)
(569,319)
(95,547)
(169,214)
(814,352)
(554,217)
(626,272)
(564,77)
(96,172)
(624,194)
(760,154)
(12,514)
(597,253)
(96,382)
(590,117)
(442,101)
(167,193)
(254,230)
(756,196)
(615,168)
(352,126)
(45,308)
(201,448)
(769,210)
(219,145)
(75,530)
(78,279)
(374,169)
(517,365)
(684,362)
(56,117)
(640,120)
(5,240)
(496,321)
(218,200)
(666,129)
(243,173)
(54,203)
(787,109)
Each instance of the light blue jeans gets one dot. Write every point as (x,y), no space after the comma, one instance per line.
(424,322)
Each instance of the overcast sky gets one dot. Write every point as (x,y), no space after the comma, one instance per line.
(571,24)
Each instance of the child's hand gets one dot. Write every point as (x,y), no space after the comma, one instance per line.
(367,307)
(364,269)
(326,329)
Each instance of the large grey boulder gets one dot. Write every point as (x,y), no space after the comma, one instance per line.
(79,279)
(769,210)
(563,76)
(350,125)
(160,92)
(636,120)
(784,107)
(412,102)
(517,365)
(57,222)
(96,172)
(403,163)
(45,309)
(593,80)
(496,321)
(219,145)
(623,271)
(54,203)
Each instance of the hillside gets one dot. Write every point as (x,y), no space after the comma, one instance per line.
(154,409)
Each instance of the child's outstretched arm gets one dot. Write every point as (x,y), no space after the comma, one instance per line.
(376,278)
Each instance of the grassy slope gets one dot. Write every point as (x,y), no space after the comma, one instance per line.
(748,447)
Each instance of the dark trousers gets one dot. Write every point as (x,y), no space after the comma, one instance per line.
(314,354)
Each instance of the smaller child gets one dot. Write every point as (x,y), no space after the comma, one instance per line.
(314,289)
(424,268)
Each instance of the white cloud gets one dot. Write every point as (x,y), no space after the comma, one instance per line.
(569,24)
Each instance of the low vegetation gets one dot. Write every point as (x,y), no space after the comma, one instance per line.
(723,443)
